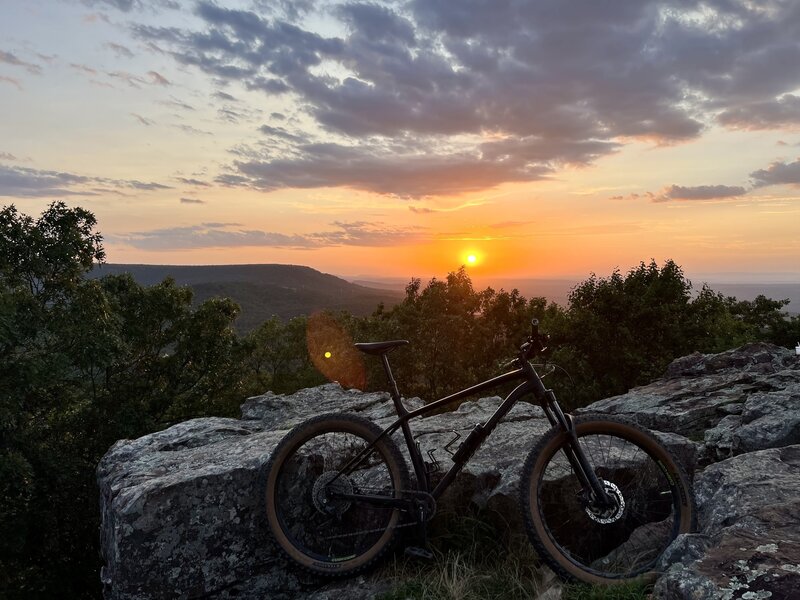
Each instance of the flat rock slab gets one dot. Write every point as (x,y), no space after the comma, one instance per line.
(733,402)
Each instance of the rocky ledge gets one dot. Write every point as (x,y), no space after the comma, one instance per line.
(180,506)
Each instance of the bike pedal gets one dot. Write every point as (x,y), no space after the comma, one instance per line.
(417,552)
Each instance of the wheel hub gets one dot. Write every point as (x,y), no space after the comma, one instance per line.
(610,514)
(326,487)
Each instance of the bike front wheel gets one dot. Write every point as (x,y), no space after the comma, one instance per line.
(319,508)
(651,502)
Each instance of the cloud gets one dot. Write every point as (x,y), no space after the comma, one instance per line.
(177,103)
(700,192)
(144,121)
(157,78)
(10,58)
(493,92)
(218,235)
(11,81)
(118,49)
(130,5)
(778,173)
(83,68)
(377,170)
(24,182)
(7,156)
(192,201)
(191,181)
(780,113)
(220,95)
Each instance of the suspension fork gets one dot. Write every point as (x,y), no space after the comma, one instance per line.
(575,455)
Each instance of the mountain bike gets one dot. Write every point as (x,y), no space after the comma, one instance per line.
(601,498)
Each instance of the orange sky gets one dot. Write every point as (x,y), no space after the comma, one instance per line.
(396,139)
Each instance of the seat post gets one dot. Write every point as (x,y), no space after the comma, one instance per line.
(395,393)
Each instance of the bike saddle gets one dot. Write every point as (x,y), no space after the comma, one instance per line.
(380,347)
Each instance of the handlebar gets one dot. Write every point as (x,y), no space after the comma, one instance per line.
(535,344)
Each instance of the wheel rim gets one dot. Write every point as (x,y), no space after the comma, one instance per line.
(625,540)
(315,521)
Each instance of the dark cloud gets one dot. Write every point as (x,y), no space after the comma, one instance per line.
(192,201)
(23,182)
(780,113)
(699,192)
(435,96)
(10,58)
(216,235)
(778,173)
(377,170)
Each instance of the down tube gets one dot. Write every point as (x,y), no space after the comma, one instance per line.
(471,444)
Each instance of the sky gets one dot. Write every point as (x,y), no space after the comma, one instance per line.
(545,138)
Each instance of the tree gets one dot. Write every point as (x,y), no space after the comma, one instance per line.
(83,363)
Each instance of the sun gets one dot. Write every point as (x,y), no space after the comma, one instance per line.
(472,259)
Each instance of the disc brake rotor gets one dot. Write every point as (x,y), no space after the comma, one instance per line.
(611,514)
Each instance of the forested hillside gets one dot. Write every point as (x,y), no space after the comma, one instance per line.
(261,291)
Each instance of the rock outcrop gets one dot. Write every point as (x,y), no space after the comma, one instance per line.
(180,506)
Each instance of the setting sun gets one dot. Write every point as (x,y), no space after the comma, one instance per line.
(471,259)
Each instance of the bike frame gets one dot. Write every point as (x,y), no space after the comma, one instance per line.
(531,384)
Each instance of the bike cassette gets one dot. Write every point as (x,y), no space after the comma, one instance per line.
(327,484)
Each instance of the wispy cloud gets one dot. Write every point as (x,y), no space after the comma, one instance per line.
(119,50)
(10,58)
(192,201)
(158,79)
(142,120)
(216,235)
(24,182)
(11,81)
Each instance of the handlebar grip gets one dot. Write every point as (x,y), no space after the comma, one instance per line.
(534,328)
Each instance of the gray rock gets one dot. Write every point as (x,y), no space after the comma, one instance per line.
(180,506)
(736,401)
(181,516)
(749,544)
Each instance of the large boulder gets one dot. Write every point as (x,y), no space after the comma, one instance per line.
(180,507)
(748,545)
(733,402)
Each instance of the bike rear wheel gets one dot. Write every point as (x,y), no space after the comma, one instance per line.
(303,488)
(651,494)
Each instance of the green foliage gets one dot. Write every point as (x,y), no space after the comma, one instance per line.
(624,591)
(276,358)
(84,363)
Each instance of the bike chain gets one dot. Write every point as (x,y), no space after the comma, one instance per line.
(379,529)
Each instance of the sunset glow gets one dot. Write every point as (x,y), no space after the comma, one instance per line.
(544,139)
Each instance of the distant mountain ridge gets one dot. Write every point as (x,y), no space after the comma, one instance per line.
(263,290)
